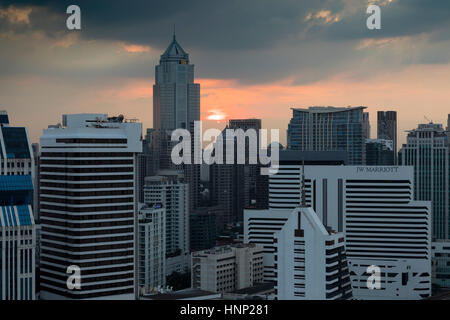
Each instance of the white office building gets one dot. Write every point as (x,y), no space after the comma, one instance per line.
(88,206)
(373,207)
(227,268)
(169,189)
(151,248)
(311,261)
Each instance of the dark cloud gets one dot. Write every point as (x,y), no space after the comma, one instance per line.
(251,40)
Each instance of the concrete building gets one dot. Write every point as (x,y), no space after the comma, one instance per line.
(387,129)
(372,206)
(151,248)
(366,121)
(169,189)
(379,152)
(329,129)
(227,268)
(235,186)
(17,225)
(311,262)
(203,228)
(88,206)
(427,151)
(441,266)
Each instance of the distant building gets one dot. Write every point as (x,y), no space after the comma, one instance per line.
(387,128)
(311,260)
(88,206)
(227,268)
(379,152)
(145,166)
(203,228)
(329,129)
(366,121)
(169,189)
(235,186)
(17,225)
(441,265)
(448,127)
(151,248)
(427,150)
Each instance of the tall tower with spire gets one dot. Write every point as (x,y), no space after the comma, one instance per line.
(176,98)
(176,105)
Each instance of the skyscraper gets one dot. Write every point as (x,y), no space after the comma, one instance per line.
(234,186)
(176,105)
(88,206)
(151,248)
(170,190)
(329,129)
(17,226)
(427,150)
(387,128)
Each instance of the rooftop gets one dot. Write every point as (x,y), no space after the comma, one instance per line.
(328,109)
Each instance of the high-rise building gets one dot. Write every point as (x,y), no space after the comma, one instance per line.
(379,152)
(387,128)
(237,186)
(145,164)
(311,260)
(176,105)
(329,129)
(372,206)
(151,248)
(169,189)
(88,206)
(203,228)
(17,225)
(227,268)
(366,121)
(427,150)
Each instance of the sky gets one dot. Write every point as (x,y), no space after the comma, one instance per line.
(253,58)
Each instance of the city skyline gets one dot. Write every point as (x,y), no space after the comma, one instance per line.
(112,186)
(245,70)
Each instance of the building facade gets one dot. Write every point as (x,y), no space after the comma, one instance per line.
(169,189)
(427,150)
(17,225)
(387,128)
(235,186)
(227,268)
(373,207)
(176,105)
(151,248)
(203,228)
(88,206)
(311,262)
(329,129)
(379,152)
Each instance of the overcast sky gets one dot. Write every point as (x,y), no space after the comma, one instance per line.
(253,58)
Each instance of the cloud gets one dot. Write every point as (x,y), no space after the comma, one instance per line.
(16,15)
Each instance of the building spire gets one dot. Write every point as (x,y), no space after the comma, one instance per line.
(174,32)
